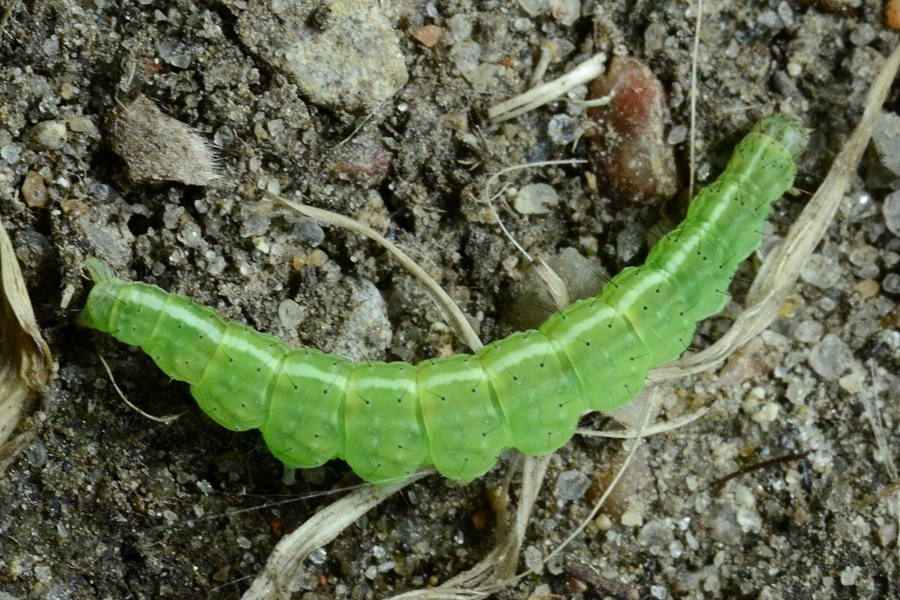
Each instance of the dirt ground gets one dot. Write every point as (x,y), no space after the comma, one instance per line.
(107,504)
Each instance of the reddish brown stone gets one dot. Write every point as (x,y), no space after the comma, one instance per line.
(629,148)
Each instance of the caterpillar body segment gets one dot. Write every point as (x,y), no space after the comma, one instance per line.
(539,402)
(464,423)
(303,435)
(525,391)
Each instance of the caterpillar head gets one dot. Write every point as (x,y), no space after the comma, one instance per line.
(98,310)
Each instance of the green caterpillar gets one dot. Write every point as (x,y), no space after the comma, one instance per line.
(526,391)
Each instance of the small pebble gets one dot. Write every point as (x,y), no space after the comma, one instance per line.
(562,129)
(316,258)
(80,124)
(892,14)
(536,199)
(342,54)
(770,19)
(864,35)
(34,192)
(629,148)
(821,271)
(11,153)
(632,519)
(767,413)
(850,575)
(428,36)
(49,135)
(604,523)
(565,11)
(291,314)
(886,141)
(891,212)
(809,331)
(853,382)
(534,8)
(629,241)
(887,534)
(571,485)
(831,357)
(867,288)
(864,256)
(533,558)
(891,283)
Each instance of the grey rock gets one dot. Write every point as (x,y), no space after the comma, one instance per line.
(341,55)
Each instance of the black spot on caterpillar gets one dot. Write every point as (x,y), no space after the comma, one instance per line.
(525,391)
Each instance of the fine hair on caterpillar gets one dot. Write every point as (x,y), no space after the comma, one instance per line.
(526,391)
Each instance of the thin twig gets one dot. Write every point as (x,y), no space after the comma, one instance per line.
(542,94)
(695,55)
(654,429)
(164,420)
(721,481)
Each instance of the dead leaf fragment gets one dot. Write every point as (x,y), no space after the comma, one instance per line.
(25,361)
(159,148)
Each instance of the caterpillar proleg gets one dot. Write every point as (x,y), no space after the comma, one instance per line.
(525,391)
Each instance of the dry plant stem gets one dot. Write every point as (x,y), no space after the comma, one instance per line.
(781,268)
(881,495)
(362,123)
(533,473)
(543,63)
(719,483)
(285,563)
(164,420)
(692,150)
(509,236)
(441,298)
(875,421)
(559,293)
(655,429)
(550,91)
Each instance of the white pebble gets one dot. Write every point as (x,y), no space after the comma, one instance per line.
(632,518)
(290,314)
(51,135)
(536,199)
